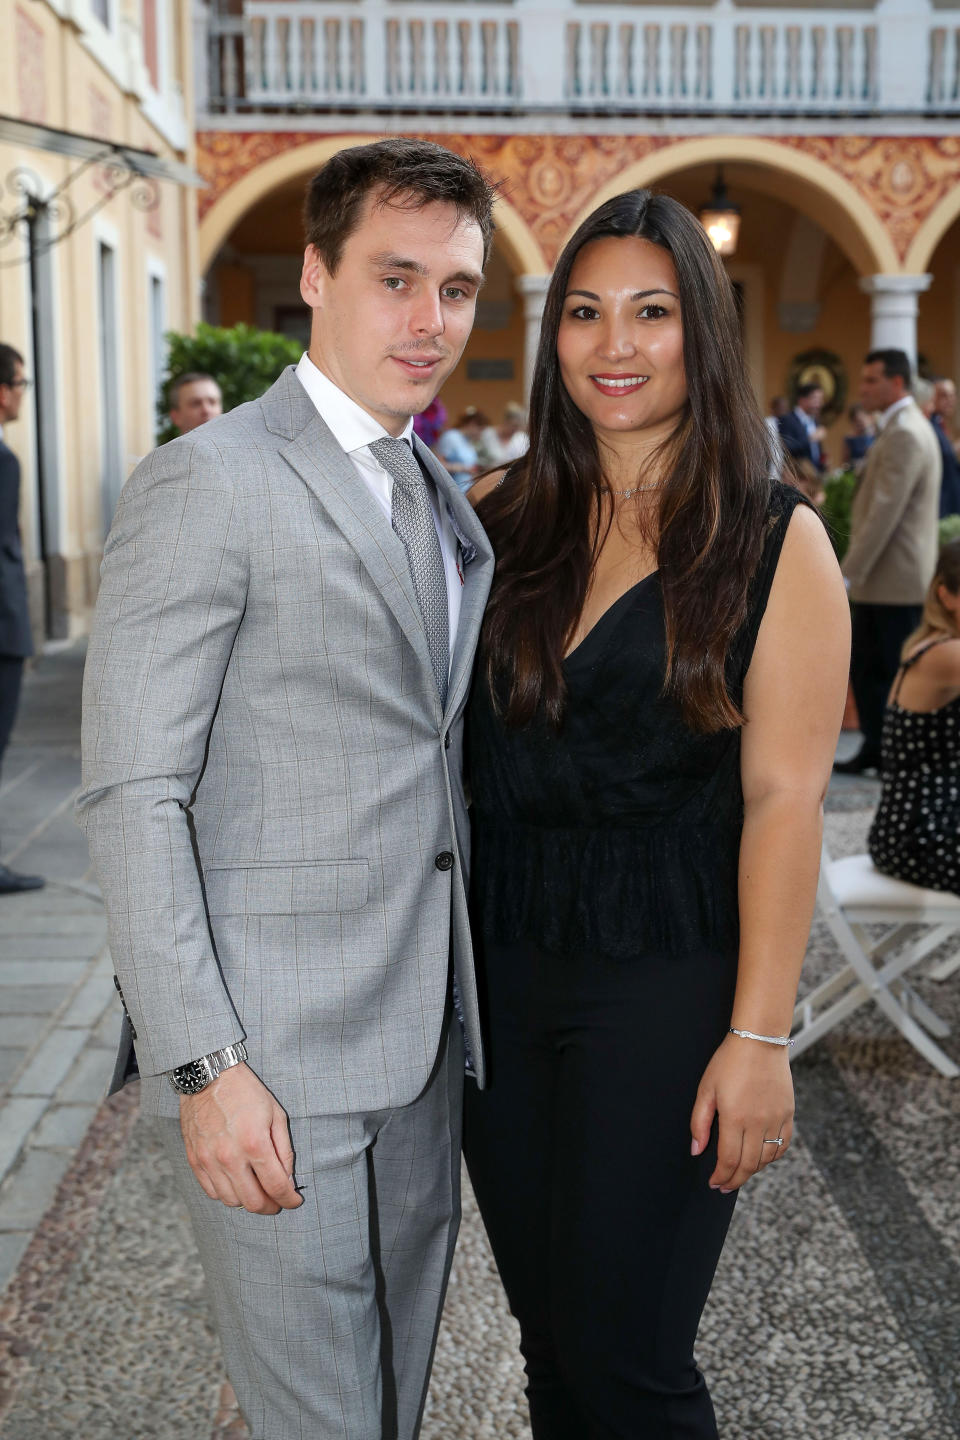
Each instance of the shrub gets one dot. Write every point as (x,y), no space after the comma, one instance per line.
(244,362)
(836,508)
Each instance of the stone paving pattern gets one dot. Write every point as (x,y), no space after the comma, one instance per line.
(834,1316)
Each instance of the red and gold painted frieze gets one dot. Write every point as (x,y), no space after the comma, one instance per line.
(549,179)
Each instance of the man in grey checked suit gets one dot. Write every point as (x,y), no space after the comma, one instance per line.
(289,610)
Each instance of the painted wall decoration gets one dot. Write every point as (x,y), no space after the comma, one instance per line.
(550,179)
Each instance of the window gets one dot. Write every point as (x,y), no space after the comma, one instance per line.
(158,343)
(111,469)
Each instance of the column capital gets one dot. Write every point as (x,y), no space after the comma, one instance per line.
(533,287)
(895,284)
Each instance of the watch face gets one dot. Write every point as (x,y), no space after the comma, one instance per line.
(190,1079)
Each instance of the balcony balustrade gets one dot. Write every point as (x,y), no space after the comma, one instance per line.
(348,55)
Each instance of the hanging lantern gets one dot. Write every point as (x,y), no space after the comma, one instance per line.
(721,219)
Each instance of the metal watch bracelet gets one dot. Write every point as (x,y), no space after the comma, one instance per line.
(197,1075)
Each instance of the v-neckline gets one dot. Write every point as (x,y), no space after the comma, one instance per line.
(614,605)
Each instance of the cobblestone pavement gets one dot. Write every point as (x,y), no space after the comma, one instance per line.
(58,1010)
(834,1316)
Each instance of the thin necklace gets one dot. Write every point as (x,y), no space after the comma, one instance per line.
(637,490)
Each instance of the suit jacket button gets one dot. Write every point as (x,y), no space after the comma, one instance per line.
(444,860)
(446,741)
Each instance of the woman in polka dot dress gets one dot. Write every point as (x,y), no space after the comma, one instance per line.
(916,831)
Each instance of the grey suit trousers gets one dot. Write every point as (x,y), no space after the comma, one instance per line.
(328,1314)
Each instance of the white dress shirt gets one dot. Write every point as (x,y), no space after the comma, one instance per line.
(354,431)
(883,420)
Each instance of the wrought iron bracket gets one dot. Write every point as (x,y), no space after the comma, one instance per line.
(115,171)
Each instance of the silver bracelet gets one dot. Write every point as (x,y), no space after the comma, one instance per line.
(783,1040)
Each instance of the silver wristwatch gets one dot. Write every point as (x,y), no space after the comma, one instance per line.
(191,1079)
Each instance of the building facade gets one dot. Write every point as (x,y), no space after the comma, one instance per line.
(153,158)
(98,258)
(836,129)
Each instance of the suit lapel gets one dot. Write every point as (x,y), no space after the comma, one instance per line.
(329,474)
(476,558)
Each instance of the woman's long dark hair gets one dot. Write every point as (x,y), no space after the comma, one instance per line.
(545,520)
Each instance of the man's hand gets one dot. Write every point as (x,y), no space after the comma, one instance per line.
(238,1143)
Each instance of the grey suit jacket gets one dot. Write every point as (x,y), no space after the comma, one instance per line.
(894,538)
(272,792)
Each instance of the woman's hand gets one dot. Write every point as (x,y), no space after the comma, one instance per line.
(748,1086)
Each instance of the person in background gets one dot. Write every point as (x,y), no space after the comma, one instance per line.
(194,399)
(801,434)
(779,406)
(941,418)
(15,640)
(915,835)
(893,541)
(457,447)
(861,436)
(502,444)
(429,425)
(662,673)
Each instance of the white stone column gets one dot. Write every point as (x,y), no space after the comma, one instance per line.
(894,302)
(533,288)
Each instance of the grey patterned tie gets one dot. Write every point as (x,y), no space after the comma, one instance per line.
(414,524)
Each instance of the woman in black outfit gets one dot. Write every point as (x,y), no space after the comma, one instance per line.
(660,690)
(915,835)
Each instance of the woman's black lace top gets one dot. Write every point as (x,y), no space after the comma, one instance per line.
(620,833)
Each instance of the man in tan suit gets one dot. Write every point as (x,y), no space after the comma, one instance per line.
(893,541)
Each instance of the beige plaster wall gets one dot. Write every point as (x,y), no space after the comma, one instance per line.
(78,94)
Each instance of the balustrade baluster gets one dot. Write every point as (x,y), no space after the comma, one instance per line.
(355,41)
(651,62)
(703,88)
(818,40)
(465,85)
(625,34)
(572,67)
(392,47)
(742,88)
(767,79)
(936,67)
(678,61)
(514,87)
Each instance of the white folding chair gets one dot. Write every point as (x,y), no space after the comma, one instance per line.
(851,895)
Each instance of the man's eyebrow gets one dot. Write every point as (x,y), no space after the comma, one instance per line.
(637,295)
(386,260)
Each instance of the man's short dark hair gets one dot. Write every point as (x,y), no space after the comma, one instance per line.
(894,362)
(178,382)
(804,390)
(9,360)
(404,172)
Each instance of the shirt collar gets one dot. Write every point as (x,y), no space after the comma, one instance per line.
(891,410)
(351,425)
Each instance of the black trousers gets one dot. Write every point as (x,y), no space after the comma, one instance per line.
(11,675)
(879,632)
(603,1226)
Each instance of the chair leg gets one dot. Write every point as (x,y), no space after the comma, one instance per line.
(916,1034)
(920,1011)
(946,968)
